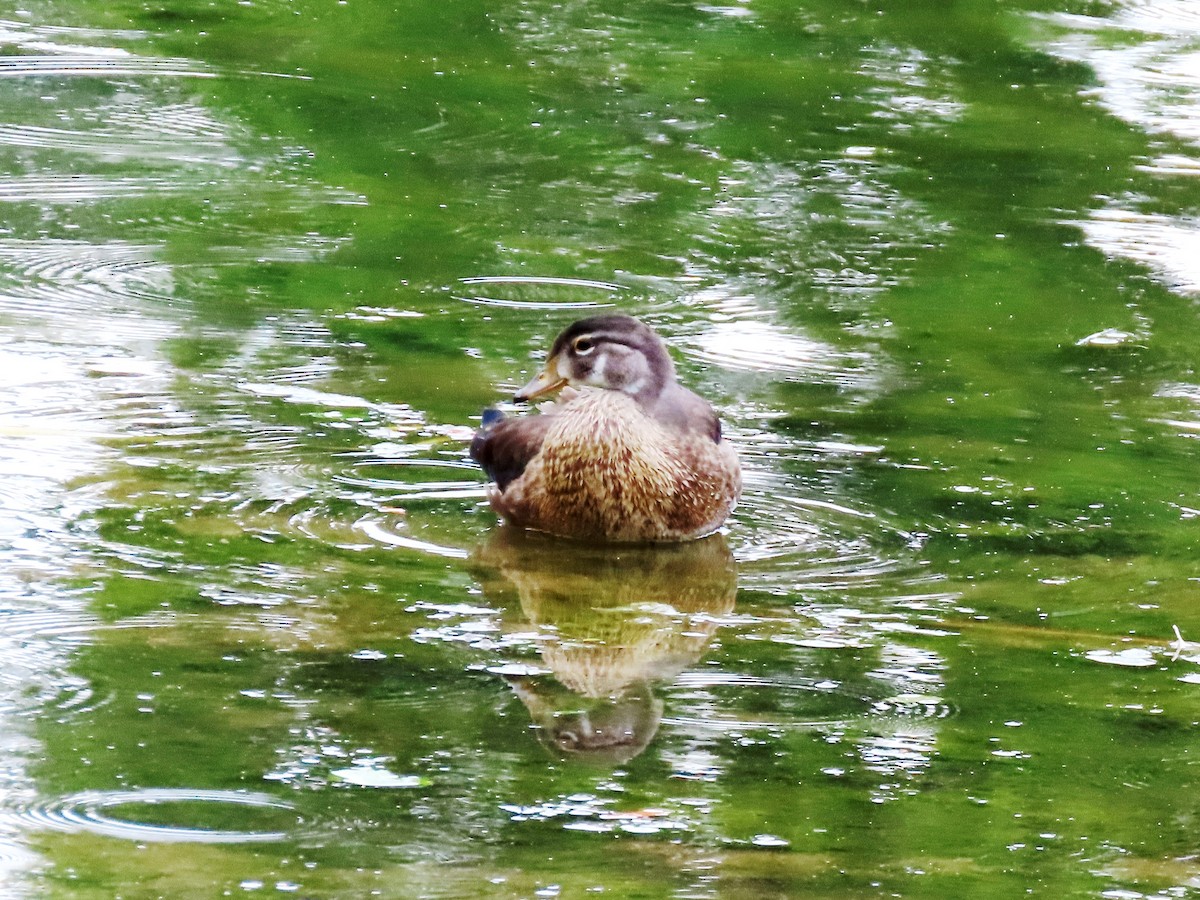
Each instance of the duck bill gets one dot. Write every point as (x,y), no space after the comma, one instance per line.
(545,382)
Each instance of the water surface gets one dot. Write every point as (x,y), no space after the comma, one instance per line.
(261,266)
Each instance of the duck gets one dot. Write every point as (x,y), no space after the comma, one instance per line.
(626,454)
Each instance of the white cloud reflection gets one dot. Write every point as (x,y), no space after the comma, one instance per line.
(1146,57)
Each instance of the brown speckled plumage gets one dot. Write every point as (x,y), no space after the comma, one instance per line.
(643,461)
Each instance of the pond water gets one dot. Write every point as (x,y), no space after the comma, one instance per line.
(262,264)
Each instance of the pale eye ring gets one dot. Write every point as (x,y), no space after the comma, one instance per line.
(583,346)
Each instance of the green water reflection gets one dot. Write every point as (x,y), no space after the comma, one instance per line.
(263,263)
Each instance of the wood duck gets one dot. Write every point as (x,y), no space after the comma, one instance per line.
(627,454)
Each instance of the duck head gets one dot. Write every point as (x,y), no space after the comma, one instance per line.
(615,353)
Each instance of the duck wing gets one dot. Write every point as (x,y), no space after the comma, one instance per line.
(682,411)
(503,447)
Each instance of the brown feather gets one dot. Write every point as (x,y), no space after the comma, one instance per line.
(628,454)
(608,471)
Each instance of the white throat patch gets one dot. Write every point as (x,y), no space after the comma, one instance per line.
(596,376)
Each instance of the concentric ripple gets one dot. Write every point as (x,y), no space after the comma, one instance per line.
(113,64)
(538,292)
(96,812)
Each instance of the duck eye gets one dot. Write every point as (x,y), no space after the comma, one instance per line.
(584,346)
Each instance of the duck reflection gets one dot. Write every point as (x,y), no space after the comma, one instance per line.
(611,622)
